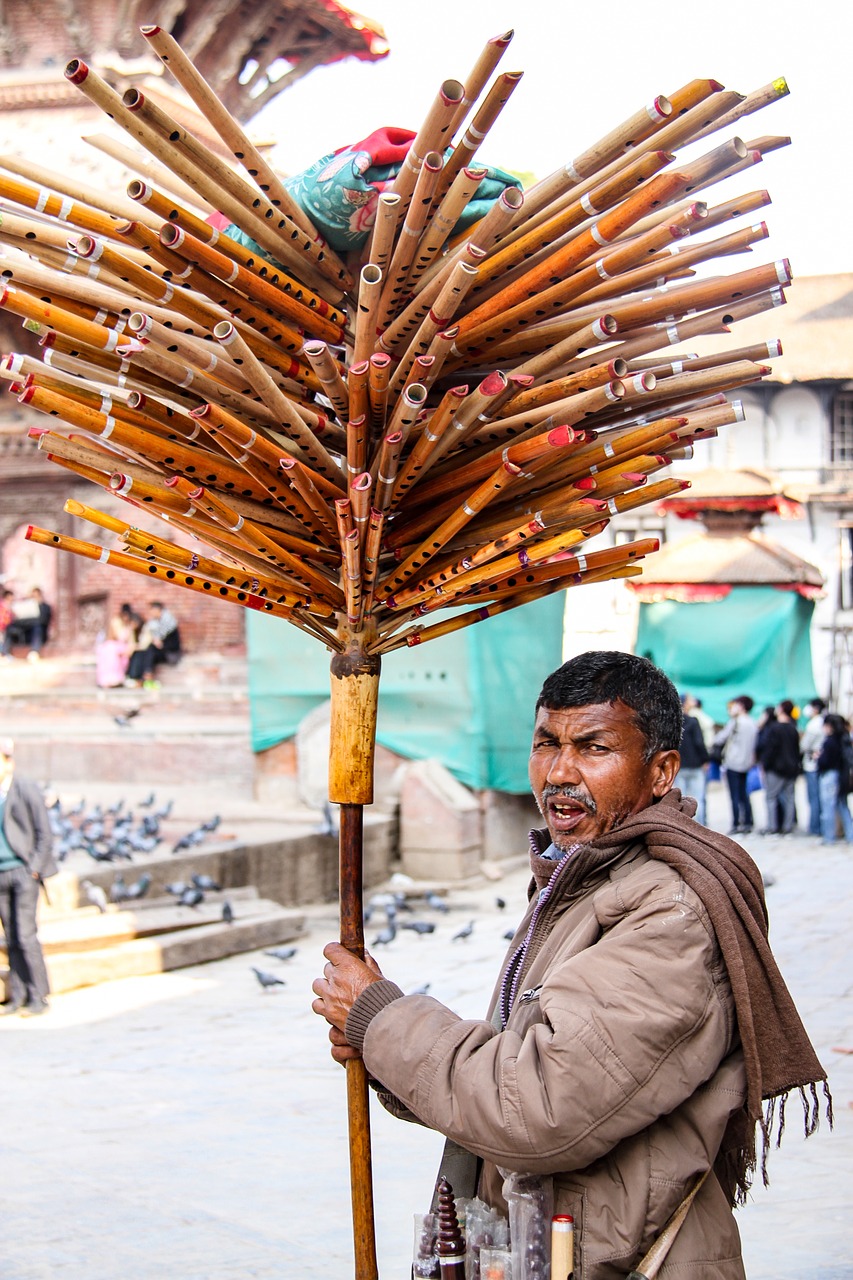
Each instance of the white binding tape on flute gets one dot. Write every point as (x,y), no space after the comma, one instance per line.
(65,208)
(125,486)
(612,507)
(588,206)
(112,340)
(597,236)
(601,269)
(608,449)
(43,197)
(653,111)
(108,428)
(672,334)
(582,562)
(571,172)
(104,557)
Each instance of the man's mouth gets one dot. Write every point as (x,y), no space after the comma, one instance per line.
(566,812)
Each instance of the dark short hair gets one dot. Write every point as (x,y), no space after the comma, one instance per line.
(787,706)
(611,676)
(745,701)
(818,704)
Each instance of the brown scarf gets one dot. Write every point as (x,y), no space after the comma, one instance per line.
(777,1051)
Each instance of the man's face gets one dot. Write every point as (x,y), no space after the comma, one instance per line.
(588,771)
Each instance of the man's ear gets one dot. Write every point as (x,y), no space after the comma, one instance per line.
(665,766)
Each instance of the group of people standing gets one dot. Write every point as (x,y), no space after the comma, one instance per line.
(131,649)
(770,753)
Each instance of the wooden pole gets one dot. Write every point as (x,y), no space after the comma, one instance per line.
(354,693)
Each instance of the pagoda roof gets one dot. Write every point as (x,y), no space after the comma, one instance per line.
(711,560)
(248,50)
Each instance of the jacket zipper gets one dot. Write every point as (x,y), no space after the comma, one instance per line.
(512,974)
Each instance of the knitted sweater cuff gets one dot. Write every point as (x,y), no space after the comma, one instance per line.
(371,1001)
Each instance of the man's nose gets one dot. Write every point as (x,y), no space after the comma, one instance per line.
(563,768)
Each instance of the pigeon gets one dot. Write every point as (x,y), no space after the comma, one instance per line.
(118,889)
(419,926)
(401,903)
(191,897)
(509,935)
(267,980)
(464,932)
(211,824)
(421,991)
(282,953)
(767,880)
(115,809)
(500,903)
(205,882)
(386,935)
(177,888)
(227,913)
(124,720)
(189,840)
(437,903)
(165,811)
(150,825)
(95,894)
(77,810)
(146,804)
(139,888)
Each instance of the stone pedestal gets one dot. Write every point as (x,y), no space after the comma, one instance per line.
(441,830)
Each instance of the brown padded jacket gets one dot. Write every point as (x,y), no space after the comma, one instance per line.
(616,1072)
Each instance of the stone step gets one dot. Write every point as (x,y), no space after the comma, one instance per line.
(137,957)
(88,929)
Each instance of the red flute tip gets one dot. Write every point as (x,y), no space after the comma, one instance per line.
(200,411)
(634,477)
(587,484)
(35,433)
(29,532)
(26,395)
(171,482)
(493,383)
(685,484)
(561,435)
(716,87)
(76,71)
(656,541)
(16,387)
(149,31)
(596,503)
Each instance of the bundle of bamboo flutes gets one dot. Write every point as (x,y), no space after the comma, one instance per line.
(443,420)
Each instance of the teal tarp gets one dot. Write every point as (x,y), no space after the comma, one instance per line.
(755,641)
(466,699)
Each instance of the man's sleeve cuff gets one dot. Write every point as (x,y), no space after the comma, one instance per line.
(371,1001)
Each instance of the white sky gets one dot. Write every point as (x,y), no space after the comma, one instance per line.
(587,68)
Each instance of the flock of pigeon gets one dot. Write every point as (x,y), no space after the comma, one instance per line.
(118,833)
(393,906)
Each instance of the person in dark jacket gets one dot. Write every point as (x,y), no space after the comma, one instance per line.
(777,750)
(691,778)
(834,772)
(26,860)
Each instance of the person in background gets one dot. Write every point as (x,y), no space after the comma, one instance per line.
(159,642)
(112,651)
(737,739)
(811,742)
(834,767)
(691,776)
(26,860)
(30,625)
(693,707)
(777,750)
(7,615)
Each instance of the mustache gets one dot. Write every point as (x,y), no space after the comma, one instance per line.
(550,790)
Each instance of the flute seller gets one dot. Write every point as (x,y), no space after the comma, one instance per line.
(639,1024)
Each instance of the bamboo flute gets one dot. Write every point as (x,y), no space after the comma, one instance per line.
(433,135)
(123,560)
(333,386)
(378,380)
(69,191)
(424,451)
(442,222)
(754,101)
(438,317)
(381,242)
(478,77)
(171,211)
(141,163)
(220,119)
(295,243)
(291,423)
(369,294)
(405,252)
(469,144)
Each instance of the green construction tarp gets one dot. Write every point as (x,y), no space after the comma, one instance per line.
(466,699)
(754,641)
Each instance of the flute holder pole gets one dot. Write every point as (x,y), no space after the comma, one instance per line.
(355,694)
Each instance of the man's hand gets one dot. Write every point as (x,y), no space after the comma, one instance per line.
(344,979)
(341,1051)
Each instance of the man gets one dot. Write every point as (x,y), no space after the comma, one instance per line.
(690,779)
(622,1056)
(779,757)
(737,739)
(30,625)
(159,642)
(26,860)
(810,747)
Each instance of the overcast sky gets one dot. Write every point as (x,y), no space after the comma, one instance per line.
(587,68)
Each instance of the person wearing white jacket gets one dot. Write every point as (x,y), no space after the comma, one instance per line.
(737,738)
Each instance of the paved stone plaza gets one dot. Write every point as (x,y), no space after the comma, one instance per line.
(191,1125)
